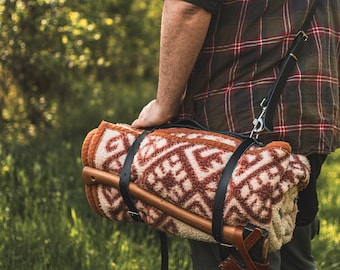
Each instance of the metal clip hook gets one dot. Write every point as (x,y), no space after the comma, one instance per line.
(258,123)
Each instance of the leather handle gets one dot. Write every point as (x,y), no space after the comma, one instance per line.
(92,176)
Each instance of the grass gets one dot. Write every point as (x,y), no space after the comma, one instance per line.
(46,223)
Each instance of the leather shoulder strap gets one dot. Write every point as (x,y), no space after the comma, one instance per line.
(275,91)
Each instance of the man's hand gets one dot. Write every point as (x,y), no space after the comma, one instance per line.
(153,115)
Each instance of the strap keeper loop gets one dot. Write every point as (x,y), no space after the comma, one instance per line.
(293,56)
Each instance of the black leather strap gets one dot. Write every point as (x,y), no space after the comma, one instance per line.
(219,201)
(193,124)
(287,65)
(164,250)
(124,181)
(125,173)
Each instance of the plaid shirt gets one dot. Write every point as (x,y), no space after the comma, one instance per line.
(240,60)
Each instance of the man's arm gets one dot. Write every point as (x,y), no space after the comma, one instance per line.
(183,30)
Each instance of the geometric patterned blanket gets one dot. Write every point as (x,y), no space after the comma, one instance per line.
(183,166)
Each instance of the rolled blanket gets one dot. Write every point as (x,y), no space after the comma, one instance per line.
(183,166)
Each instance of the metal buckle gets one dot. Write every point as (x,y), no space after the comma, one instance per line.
(226,245)
(134,214)
(304,35)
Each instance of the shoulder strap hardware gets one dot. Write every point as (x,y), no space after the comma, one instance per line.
(268,104)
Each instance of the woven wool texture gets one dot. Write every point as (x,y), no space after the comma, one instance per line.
(183,166)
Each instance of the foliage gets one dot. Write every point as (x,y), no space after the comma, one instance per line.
(48,47)
(327,244)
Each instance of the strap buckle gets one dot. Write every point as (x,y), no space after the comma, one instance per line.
(135,216)
(303,34)
(226,245)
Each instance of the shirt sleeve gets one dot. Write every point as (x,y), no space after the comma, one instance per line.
(209,5)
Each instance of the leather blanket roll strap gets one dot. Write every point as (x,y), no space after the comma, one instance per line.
(183,166)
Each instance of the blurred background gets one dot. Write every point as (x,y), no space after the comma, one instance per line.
(64,67)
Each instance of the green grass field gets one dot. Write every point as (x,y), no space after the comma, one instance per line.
(46,223)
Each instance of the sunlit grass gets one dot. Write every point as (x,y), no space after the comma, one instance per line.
(46,222)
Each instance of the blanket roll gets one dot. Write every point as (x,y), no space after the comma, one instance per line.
(183,166)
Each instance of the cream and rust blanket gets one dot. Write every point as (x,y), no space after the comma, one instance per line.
(183,166)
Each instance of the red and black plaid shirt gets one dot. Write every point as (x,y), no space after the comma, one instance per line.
(240,60)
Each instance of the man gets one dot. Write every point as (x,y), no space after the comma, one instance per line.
(217,61)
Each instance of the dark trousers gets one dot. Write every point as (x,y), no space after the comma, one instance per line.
(297,254)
